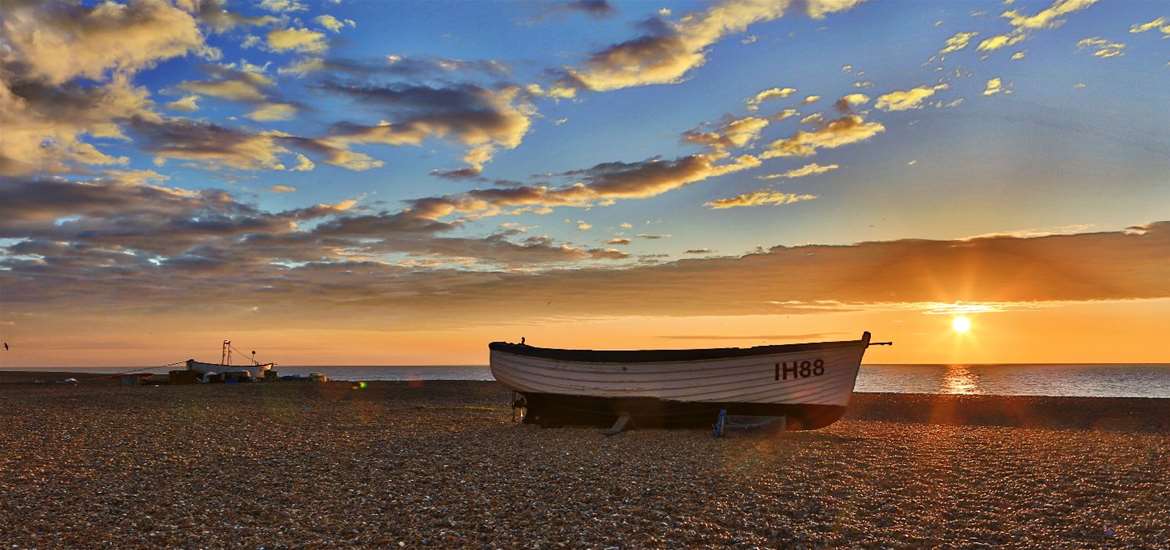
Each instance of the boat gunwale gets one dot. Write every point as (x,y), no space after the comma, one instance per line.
(664,355)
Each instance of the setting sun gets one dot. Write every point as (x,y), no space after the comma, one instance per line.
(961,324)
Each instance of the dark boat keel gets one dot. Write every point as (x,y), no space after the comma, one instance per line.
(551,410)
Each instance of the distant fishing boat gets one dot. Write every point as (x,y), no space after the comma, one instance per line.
(225,368)
(809,384)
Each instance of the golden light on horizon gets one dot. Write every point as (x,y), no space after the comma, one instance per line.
(961,324)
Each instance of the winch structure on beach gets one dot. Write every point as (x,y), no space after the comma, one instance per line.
(226,370)
(808,384)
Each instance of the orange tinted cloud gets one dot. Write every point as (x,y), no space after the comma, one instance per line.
(672,48)
(68,236)
(762,197)
(842,131)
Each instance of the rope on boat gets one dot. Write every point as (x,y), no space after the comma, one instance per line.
(252,357)
(140,369)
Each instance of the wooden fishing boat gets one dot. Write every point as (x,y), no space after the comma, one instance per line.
(809,384)
(255,371)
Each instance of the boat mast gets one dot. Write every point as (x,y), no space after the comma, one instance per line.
(225,354)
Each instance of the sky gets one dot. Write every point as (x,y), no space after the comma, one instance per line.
(364,182)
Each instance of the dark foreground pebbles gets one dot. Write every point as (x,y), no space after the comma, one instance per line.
(440,464)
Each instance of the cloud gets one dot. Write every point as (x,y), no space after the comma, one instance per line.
(670,49)
(59,41)
(652,236)
(786,113)
(44,127)
(730,134)
(272,111)
(466,173)
(994,86)
(331,152)
(297,40)
(332,23)
(583,226)
(1101,47)
(119,216)
(595,8)
(602,184)
(60,276)
(189,103)
(849,101)
(304,66)
(763,197)
(653,177)
(811,99)
(818,9)
(957,42)
(219,19)
(698,251)
(496,249)
(283,5)
(283,189)
(810,169)
(1160,24)
(815,118)
(47,114)
(607,254)
(618,241)
(1017,56)
(304,164)
(481,119)
(842,131)
(1022,24)
(555,91)
(1000,41)
(1034,232)
(400,66)
(753,103)
(902,100)
(126,206)
(209,144)
(785,279)
(664,57)
(598,9)
(247,83)
(1046,18)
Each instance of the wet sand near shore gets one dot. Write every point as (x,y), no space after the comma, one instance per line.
(441,464)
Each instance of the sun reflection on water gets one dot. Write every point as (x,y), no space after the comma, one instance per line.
(961,380)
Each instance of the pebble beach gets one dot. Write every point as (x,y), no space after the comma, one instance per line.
(441,464)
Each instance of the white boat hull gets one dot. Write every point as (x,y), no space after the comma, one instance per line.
(207,369)
(809,379)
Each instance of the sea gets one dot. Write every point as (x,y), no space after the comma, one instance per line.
(1086,380)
